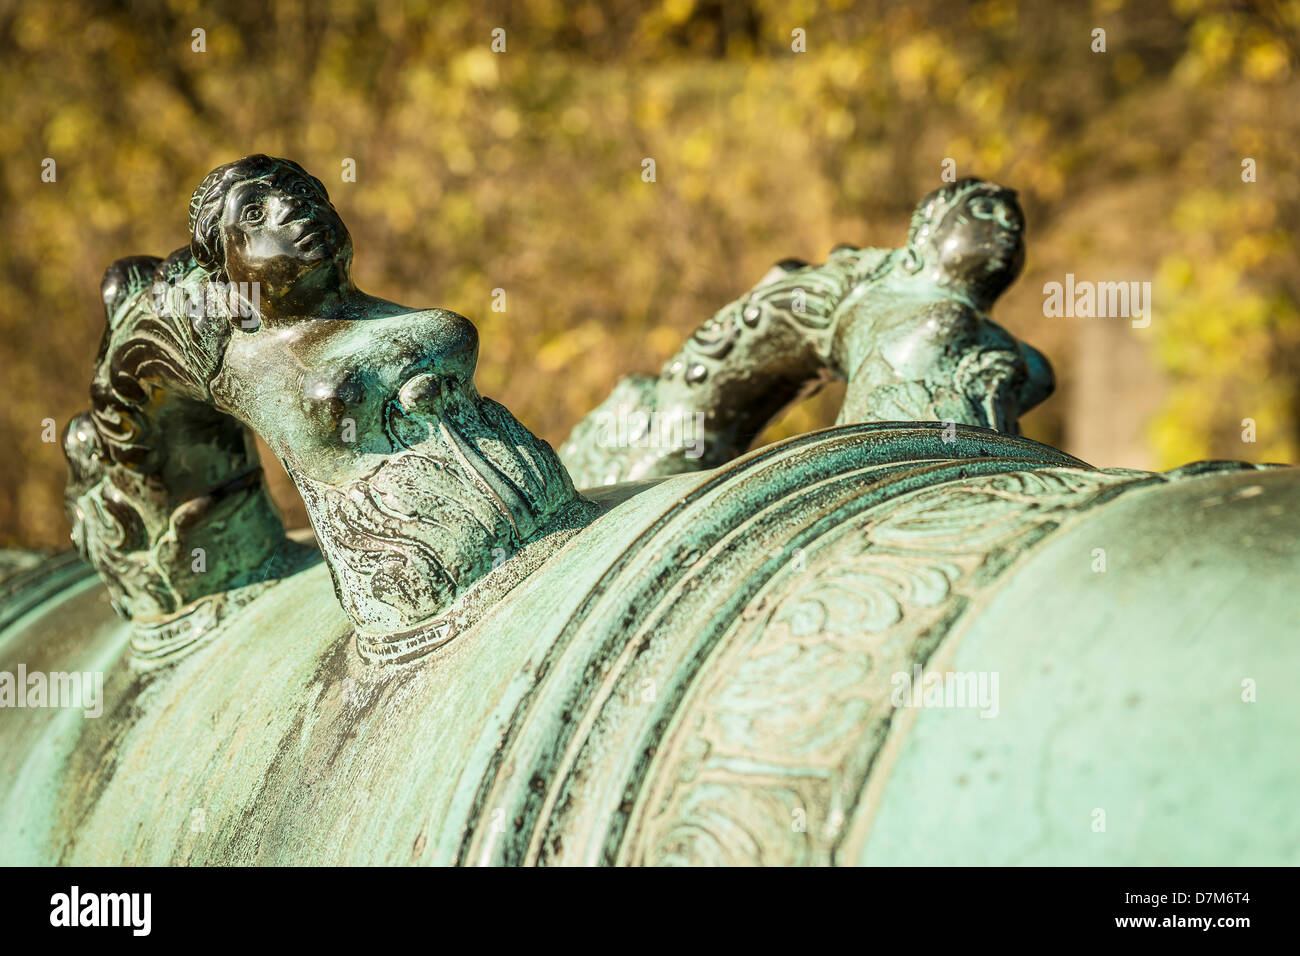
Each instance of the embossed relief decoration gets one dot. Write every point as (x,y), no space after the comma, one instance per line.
(779,736)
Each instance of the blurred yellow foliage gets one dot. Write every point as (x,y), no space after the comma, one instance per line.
(523,171)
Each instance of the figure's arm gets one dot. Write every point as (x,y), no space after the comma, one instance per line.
(737,373)
(166,495)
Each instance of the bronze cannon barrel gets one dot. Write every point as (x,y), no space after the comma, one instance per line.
(755,664)
(913,637)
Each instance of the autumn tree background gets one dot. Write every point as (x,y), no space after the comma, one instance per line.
(522,171)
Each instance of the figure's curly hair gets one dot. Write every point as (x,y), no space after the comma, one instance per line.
(931,209)
(157,357)
(210,198)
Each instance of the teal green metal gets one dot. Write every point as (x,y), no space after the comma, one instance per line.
(892,641)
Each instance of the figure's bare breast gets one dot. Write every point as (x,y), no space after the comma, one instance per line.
(333,382)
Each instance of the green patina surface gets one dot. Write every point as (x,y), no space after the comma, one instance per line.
(713,658)
(708,667)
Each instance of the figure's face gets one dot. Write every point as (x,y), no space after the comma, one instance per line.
(278,229)
(980,243)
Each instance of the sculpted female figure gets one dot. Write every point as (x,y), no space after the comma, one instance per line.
(908,329)
(917,344)
(415,484)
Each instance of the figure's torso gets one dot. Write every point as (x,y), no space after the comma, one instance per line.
(324,387)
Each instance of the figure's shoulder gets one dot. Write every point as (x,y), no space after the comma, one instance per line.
(431,333)
(864,262)
(445,318)
(942,309)
(941,322)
